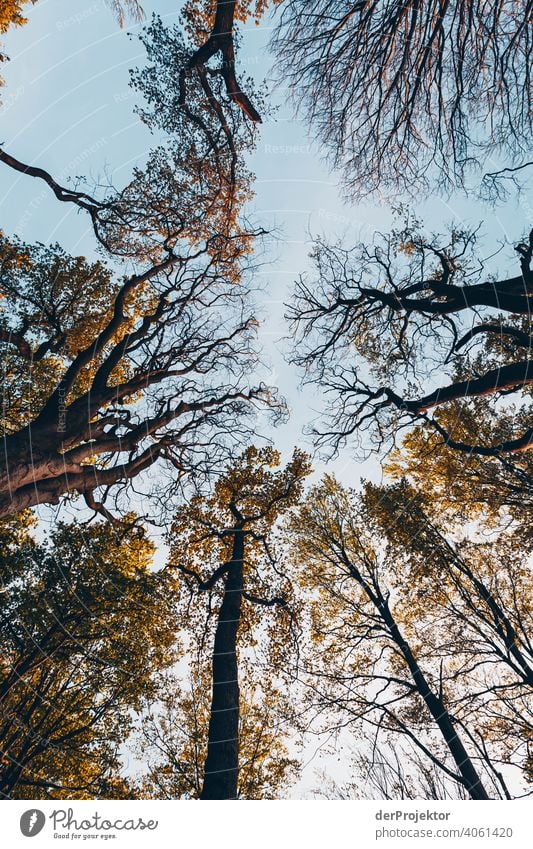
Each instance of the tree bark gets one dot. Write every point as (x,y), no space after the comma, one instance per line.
(221,768)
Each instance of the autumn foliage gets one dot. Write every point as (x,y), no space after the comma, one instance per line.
(186,607)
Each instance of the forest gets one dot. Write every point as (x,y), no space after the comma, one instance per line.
(266,540)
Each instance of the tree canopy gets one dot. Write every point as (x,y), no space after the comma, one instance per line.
(80,613)
(232,533)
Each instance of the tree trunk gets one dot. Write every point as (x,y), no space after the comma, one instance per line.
(222,762)
(435,705)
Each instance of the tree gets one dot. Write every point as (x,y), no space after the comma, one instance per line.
(194,183)
(123,8)
(413,636)
(488,580)
(77,383)
(410,308)
(86,629)
(230,533)
(105,374)
(477,587)
(406,95)
(11,14)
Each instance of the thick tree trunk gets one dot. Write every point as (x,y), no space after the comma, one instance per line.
(221,768)
(435,705)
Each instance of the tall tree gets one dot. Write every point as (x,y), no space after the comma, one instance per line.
(383,323)
(414,637)
(393,769)
(12,14)
(488,582)
(105,374)
(474,590)
(212,27)
(86,629)
(406,95)
(231,533)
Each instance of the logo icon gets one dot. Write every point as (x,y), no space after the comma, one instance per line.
(32,822)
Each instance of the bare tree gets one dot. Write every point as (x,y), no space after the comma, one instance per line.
(383,321)
(406,95)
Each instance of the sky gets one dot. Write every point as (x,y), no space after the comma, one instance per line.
(66,106)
